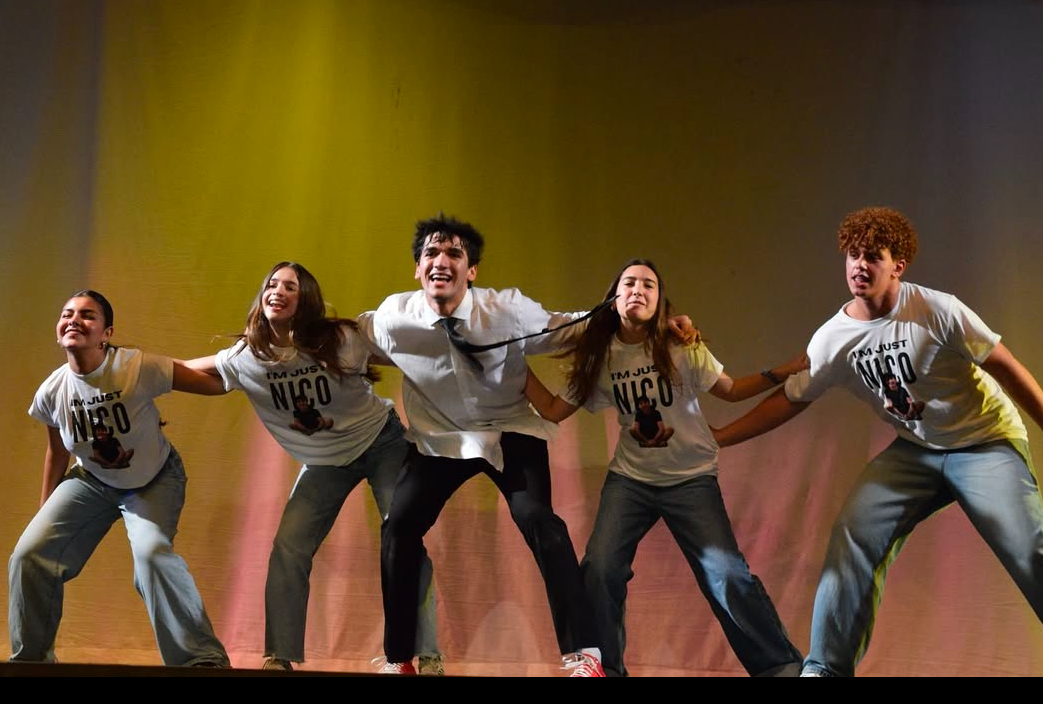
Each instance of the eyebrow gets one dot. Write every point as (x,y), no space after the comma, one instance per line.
(451,248)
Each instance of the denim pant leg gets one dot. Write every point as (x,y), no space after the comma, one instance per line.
(315,501)
(382,464)
(53,550)
(625,515)
(694,512)
(183,630)
(898,489)
(996,489)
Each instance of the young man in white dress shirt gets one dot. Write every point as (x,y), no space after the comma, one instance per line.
(468,415)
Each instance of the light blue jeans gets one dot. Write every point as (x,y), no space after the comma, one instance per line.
(314,503)
(903,485)
(695,514)
(64,534)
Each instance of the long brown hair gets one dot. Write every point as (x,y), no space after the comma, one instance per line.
(592,347)
(312,330)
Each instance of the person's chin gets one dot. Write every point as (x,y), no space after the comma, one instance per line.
(441,295)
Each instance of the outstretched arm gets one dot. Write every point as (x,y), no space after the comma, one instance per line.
(1016,380)
(553,408)
(206,364)
(198,376)
(768,414)
(55,462)
(749,386)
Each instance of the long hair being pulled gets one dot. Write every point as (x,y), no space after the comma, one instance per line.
(312,331)
(592,347)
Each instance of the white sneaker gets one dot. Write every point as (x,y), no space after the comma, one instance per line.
(582,665)
(393,668)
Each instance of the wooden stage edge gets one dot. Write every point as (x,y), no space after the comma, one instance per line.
(11,669)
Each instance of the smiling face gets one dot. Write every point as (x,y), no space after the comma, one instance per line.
(444,272)
(280,298)
(82,325)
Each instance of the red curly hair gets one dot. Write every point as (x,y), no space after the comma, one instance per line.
(875,229)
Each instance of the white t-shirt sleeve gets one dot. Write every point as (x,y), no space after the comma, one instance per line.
(967,333)
(355,352)
(703,368)
(227,363)
(597,400)
(809,384)
(157,375)
(43,408)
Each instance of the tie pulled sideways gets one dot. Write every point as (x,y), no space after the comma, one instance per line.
(468,349)
(459,342)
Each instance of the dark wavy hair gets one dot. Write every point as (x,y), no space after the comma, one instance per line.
(312,331)
(878,228)
(106,307)
(591,348)
(447,228)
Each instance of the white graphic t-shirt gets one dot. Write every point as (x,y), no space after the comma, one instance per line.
(107,418)
(317,418)
(645,402)
(917,367)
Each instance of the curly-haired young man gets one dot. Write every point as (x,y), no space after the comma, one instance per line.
(967,442)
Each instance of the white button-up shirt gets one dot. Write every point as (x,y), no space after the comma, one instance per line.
(454,409)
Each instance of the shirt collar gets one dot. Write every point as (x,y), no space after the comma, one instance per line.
(462,312)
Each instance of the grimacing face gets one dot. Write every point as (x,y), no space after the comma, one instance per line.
(638,294)
(871,273)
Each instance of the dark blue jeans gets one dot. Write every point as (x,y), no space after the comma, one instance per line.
(694,512)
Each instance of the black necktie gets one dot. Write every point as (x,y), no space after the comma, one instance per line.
(469,348)
(458,340)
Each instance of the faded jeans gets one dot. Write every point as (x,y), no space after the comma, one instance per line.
(64,534)
(898,489)
(314,504)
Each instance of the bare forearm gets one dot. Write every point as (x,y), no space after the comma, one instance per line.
(767,415)
(54,466)
(551,407)
(197,379)
(749,386)
(206,364)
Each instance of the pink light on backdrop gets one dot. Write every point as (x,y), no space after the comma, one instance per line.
(265,489)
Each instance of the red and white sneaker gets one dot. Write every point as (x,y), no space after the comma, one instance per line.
(582,665)
(394,668)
